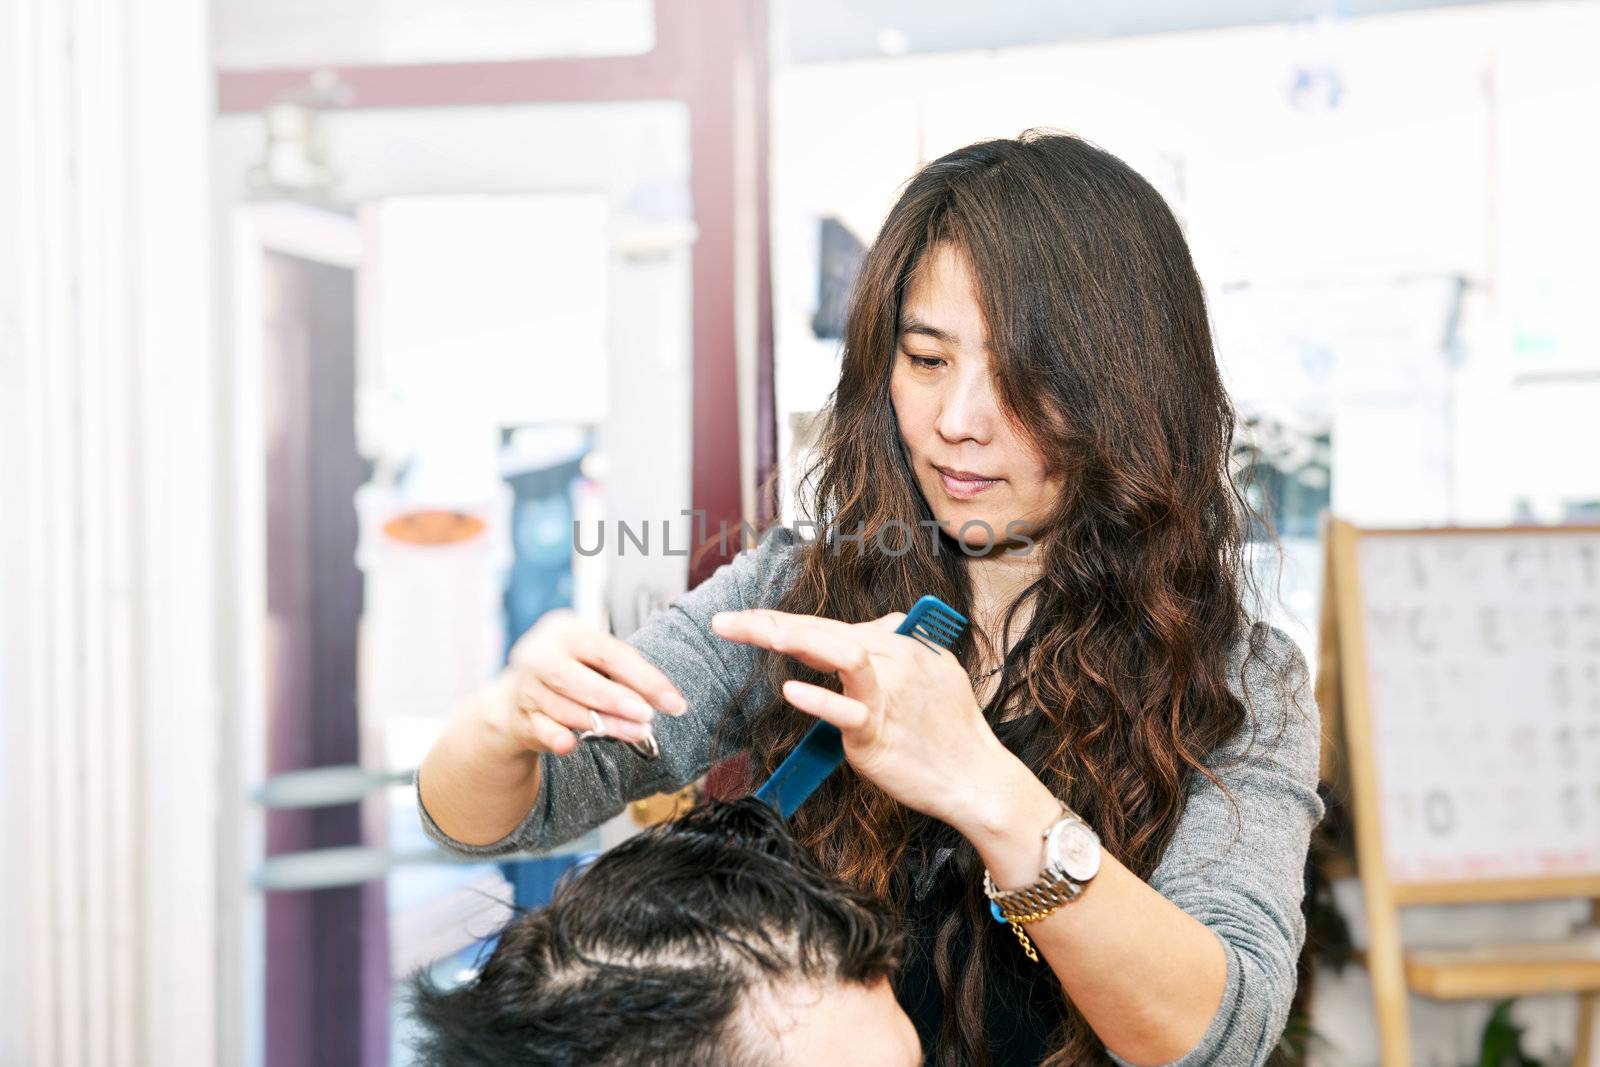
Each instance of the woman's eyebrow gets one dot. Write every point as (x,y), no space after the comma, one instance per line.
(912,324)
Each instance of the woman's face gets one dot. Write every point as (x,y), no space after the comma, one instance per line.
(951,422)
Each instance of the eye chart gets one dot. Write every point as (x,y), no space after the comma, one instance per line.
(1480,651)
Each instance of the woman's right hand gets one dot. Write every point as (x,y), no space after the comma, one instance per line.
(561,669)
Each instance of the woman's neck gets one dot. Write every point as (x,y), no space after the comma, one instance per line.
(997,582)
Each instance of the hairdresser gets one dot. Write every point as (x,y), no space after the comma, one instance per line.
(1092,813)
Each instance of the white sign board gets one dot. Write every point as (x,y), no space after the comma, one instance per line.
(1483,674)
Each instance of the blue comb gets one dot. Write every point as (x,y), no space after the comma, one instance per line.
(821,750)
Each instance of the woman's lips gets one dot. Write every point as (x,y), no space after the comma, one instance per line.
(966,488)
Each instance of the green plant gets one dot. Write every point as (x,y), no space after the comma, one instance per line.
(1502,1042)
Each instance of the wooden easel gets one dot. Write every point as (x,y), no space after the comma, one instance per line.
(1487,971)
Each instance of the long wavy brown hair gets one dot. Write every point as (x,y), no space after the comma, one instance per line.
(1103,351)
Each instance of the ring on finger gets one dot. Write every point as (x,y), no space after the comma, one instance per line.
(599,729)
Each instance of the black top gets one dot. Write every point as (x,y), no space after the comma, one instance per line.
(1023,999)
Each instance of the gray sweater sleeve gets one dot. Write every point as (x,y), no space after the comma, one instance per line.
(584,789)
(1242,873)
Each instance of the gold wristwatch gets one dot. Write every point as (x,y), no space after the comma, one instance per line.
(1071,859)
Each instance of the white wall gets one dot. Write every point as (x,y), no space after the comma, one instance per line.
(311,33)
(108,698)
(15,1046)
(1454,152)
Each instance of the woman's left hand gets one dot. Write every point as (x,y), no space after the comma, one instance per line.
(910,721)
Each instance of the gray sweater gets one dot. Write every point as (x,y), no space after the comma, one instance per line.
(1241,874)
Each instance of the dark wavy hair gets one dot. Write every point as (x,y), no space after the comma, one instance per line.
(1103,354)
(607,975)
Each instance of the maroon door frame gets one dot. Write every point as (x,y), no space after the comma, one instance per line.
(327,958)
(708,53)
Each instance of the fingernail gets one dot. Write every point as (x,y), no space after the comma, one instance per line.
(672,703)
(639,708)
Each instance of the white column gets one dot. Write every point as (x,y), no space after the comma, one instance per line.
(107,665)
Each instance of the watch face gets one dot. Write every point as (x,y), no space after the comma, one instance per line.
(1075,849)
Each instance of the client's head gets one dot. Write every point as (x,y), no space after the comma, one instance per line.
(714,939)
